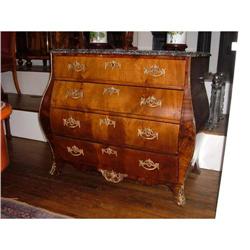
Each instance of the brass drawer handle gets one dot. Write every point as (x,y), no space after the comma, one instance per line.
(106,121)
(149,164)
(76,66)
(74,93)
(75,151)
(112,176)
(71,122)
(154,71)
(150,101)
(147,133)
(109,151)
(112,65)
(111,91)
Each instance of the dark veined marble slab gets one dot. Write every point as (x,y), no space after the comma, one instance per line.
(129,52)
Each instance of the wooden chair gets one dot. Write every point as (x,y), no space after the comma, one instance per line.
(8,56)
(8,63)
(6,110)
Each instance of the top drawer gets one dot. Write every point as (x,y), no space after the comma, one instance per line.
(132,71)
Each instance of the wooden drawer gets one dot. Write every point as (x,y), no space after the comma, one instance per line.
(75,151)
(150,135)
(147,167)
(134,71)
(158,103)
(150,168)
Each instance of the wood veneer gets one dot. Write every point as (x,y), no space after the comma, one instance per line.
(128,70)
(141,90)
(125,132)
(127,101)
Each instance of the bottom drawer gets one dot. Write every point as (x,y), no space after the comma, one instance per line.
(146,167)
(76,152)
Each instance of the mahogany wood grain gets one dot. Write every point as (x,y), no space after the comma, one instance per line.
(93,97)
(123,102)
(186,139)
(89,151)
(187,130)
(125,132)
(8,56)
(124,161)
(121,70)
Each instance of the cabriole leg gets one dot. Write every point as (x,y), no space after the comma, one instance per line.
(179,195)
(56,168)
(196,168)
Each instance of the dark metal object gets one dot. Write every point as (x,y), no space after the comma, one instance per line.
(175,47)
(226,58)
(216,101)
(159,40)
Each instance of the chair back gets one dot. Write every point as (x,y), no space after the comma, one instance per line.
(8,49)
(7,43)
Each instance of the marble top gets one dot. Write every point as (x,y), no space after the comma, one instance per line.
(129,52)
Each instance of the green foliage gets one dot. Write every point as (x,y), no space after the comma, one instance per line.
(172,33)
(95,35)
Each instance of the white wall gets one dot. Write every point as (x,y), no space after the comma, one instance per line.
(31,83)
(143,40)
(192,39)
(26,125)
(209,151)
(214,50)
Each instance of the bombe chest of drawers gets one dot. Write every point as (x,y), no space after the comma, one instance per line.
(126,114)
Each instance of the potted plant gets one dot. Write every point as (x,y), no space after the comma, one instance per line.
(176,40)
(98,37)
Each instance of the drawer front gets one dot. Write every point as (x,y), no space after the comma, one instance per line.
(158,103)
(150,135)
(76,151)
(137,71)
(150,168)
(147,167)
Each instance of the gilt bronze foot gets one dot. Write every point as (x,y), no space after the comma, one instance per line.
(179,195)
(55,170)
